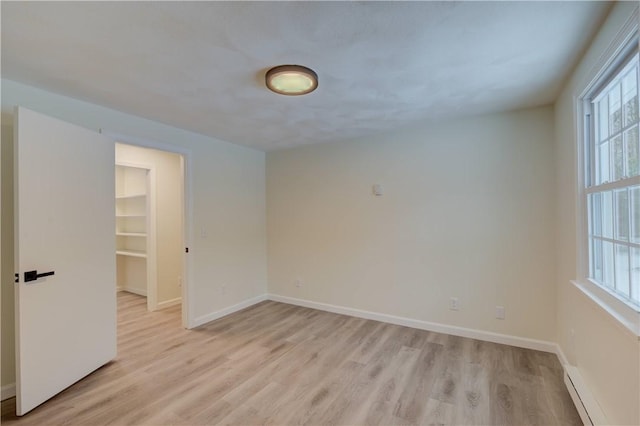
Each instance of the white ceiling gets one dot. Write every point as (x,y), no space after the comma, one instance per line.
(381,65)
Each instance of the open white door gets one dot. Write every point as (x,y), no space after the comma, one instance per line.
(65,322)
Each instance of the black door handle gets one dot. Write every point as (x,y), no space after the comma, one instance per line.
(34,275)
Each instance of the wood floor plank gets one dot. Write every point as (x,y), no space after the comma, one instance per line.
(410,405)
(438,413)
(379,408)
(474,405)
(280,364)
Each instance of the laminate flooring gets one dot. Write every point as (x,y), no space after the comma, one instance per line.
(281,364)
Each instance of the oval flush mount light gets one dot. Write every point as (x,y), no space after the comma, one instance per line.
(291,80)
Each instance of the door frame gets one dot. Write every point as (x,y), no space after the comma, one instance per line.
(187,212)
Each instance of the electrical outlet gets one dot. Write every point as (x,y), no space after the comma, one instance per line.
(223,289)
(500,312)
(454,304)
(298,282)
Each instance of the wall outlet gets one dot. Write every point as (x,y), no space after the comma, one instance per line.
(223,289)
(500,312)
(203,233)
(298,282)
(454,304)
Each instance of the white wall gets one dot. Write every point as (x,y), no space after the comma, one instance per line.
(606,354)
(168,197)
(227,201)
(467,211)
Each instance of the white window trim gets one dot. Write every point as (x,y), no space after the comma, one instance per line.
(623,312)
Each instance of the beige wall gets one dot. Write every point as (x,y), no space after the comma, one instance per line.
(169,246)
(8,373)
(467,212)
(227,200)
(606,354)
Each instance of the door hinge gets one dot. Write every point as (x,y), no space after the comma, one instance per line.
(17,280)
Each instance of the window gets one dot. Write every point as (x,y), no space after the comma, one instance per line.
(612,181)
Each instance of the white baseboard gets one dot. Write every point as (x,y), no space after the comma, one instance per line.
(135,291)
(172,302)
(226,311)
(505,339)
(8,391)
(561,356)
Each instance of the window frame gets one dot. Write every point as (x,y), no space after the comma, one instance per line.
(591,141)
(621,51)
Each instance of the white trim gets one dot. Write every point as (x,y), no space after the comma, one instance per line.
(505,339)
(8,391)
(151,266)
(610,55)
(152,241)
(226,311)
(134,291)
(168,303)
(488,336)
(611,58)
(187,213)
(561,356)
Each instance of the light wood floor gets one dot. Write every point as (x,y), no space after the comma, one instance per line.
(280,364)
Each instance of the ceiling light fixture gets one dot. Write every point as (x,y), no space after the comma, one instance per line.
(291,80)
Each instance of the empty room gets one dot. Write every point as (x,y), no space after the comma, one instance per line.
(322,213)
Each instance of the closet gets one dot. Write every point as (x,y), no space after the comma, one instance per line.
(149,232)
(134,254)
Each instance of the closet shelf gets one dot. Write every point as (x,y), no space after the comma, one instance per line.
(131,234)
(132,253)
(129,197)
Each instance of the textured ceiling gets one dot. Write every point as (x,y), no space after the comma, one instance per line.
(381,65)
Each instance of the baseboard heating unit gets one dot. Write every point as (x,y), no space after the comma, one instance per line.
(587,406)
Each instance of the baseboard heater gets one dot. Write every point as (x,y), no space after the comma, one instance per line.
(587,406)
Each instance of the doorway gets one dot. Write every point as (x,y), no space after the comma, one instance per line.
(150,236)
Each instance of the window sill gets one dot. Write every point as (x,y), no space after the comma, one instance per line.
(623,313)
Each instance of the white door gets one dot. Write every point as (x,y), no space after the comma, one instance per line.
(66,321)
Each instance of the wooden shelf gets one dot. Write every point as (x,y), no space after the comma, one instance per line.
(131,234)
(132,253)
(129,197)
(134,259)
